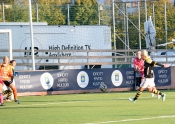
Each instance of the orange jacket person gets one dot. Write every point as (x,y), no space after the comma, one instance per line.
(7,73)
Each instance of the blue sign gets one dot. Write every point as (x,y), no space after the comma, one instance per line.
(83,79)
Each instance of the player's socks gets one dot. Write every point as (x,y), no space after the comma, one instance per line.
(1,98)
(17,101)
(2,104)
(137,95)
(9,93)
(157,92)
(163,97)
(5,92)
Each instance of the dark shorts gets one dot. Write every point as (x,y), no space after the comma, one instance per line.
(7,83)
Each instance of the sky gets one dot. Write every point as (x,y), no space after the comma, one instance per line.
(100,1)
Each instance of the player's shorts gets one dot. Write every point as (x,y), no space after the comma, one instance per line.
(1,82)
(147,83)
(7,83)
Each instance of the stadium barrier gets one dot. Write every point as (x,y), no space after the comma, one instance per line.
(29,82)
(85,80)
(115,57)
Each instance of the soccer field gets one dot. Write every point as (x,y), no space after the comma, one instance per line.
(97,108)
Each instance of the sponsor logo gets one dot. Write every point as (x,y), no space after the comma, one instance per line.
(117,78)
(46,80)
(25,45)
(82,79)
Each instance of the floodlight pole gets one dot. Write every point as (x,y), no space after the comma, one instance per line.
(10,45)
(37,12)
(3,13)
(113,17)
(154,16)
(140,44)
(31,35)
(98,14)
(68,15)
(166,30)
(146,11)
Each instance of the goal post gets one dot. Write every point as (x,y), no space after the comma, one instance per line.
(6,48)
(6,34)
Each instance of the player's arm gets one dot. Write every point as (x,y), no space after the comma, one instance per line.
(159,64)
(10,72)
(135,65)
(165,65)
(153,63)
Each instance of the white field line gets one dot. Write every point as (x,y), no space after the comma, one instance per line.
(129,120)
(17,106)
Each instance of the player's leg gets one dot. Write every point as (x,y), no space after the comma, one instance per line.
(137,83)
(12,86)
(140,81)
(150,90)
(139,92)
(8,92)
(143,85)
(154,90)
(1,96)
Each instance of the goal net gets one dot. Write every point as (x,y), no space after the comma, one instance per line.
(73,38)
(6,43)
(57,38)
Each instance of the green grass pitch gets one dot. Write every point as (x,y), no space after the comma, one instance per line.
(93,108)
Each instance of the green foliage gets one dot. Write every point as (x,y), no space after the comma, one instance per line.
(159,24)
(54,12)
(51,14)
(7,1)
(16,13)
(85,12)
(160,21)
(84,15)
(56,2)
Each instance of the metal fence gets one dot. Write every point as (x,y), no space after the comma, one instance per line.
(126,17)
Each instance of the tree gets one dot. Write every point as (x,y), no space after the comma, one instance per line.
(51,14)
(16,13)
(159,24)
(85,12)
(7,1)
(56,2)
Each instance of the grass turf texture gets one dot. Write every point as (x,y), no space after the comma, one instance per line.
(108,108)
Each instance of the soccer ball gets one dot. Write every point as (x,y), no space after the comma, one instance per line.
(103,87)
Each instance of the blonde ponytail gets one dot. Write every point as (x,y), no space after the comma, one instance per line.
(145,53)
